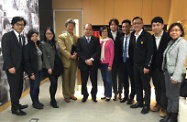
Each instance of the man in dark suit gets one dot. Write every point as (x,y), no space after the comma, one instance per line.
(127,63)
(12,49)
(160,41)
(88,50)
(115,34)
(142,47)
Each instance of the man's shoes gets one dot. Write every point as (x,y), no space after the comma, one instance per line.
(124,100)
(23,106)
(136,105)
(130,101)
(145,110)
(94,100)
(85,98)
(115,97)
(162,112)
(54,104)
(119,96)
(18,112)
(67,100)
(37,105)
(155,108)
(73,97)
(103,98)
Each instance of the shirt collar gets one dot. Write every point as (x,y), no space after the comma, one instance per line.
(88,37)
(114,32)
(17,34)
(138,33)
(159,35)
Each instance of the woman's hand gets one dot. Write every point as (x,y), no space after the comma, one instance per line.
(50,71)
(32,76)
(12,70)
(109,68)
(173,82)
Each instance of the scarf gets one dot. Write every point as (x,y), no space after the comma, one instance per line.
(103,48)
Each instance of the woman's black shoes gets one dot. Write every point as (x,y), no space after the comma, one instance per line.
(54,104)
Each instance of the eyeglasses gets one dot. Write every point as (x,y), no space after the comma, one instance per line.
(49,33)
(136,23)
(18,24)
(175,30)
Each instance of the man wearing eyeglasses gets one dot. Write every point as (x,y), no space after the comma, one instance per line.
(142,48)
(12,49)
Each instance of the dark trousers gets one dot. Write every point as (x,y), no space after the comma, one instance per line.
(16,86)
(117,84)
(127,74)
(142,82)
(35,86)
(93,78)
(172,93)
(160,88)
(53,86)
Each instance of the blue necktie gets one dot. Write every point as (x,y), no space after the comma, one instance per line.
(125,50)
(88,40)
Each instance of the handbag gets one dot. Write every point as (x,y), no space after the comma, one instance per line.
(183,89)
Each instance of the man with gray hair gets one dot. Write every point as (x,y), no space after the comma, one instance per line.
(67,43)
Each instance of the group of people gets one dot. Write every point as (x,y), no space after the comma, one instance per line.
(124,58)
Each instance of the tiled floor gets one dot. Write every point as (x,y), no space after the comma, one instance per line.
(76,111)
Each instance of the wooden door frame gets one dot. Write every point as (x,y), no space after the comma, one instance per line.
(69,10)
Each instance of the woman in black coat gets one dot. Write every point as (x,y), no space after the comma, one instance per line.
(51,62)
(33,66)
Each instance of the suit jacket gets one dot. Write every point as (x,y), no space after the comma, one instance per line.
(174,58)
(87,51)
(117,55)
(142,49)
(158,53)
(65,47)
(12,52)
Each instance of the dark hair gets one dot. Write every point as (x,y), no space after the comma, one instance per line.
(69,21)
(102,29)
(115,21)
(126,21)
(137,17)
(30,33)
(5,22)
(49,28)
(17,19)
(179,25)
(157,19)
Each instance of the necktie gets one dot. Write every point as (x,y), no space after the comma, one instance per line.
(125,50)
(88,40)
(19,41)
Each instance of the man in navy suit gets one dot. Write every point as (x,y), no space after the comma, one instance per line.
(88,50)
(12,49)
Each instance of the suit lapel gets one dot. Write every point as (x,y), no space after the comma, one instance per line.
(15,38)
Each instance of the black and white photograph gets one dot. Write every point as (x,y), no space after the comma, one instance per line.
(28,9)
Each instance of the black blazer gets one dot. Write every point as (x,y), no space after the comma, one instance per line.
(12,52)
(142,50)
(117,55)
(31,57)
(87,51)
(158,53)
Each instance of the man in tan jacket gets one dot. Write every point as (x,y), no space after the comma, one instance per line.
(67,43)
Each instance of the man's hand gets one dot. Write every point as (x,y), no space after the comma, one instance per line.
(74,56)
(12,70)
(145,70)
(89,62)
(173,82)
